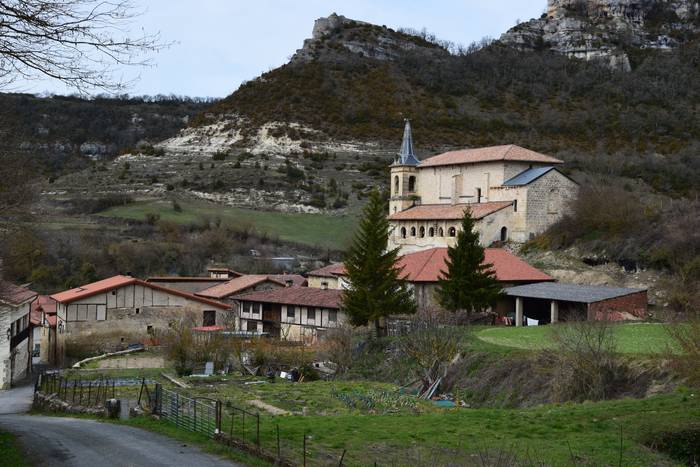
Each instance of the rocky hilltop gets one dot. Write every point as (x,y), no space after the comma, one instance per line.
(608,30)
(335,34)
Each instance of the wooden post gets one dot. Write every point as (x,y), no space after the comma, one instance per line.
(279,455)
(219,416)
(257,429)
(243,427)
(231,429)
(342,457)
(194,405)
(304,447)
(518,311)
(80,401)
(73,399)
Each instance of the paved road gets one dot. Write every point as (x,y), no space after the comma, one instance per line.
(60,441)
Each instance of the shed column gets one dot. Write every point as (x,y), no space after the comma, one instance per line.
(518,311)
(554,311)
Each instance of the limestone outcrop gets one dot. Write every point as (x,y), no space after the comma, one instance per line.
(608,30)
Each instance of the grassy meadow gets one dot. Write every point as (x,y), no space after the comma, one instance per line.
(333,232)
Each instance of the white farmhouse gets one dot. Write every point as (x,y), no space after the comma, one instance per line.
(15,334)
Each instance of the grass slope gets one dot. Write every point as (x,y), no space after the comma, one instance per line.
(10,452)
(334,232)
(631,338)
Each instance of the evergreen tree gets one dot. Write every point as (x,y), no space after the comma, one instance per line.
(468,284)
(375,289)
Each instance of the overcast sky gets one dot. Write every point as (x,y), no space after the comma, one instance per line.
(221,43)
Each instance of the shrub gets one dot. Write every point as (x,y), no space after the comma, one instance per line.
(219,156)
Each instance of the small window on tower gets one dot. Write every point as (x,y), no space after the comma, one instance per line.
(422,232)
(403,232)
(452,232)
(413,231)
(411,184)
(396,185)
(431,232)
(441,232)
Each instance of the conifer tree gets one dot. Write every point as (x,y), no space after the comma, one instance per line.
(468,284)
(375,289)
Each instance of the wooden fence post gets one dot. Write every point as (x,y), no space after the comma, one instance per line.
(257,429)
(219,416)
(304,449)
(279,456)
(340,464)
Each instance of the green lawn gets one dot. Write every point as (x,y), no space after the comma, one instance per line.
(10,452)
(642,338)
(333,232)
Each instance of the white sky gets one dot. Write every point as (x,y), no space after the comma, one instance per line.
(220,43)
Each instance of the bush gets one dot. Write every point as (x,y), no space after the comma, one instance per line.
(686,336)
(219,156)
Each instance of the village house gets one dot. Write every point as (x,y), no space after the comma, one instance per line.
(291,313)
(217,276)
(227,291)
(123,309)
(43,319)
(15,333)
(513,193)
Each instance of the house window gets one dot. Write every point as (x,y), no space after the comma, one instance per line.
(422,232)
(478,195)
(291,311)
(311,314)
(504,234)
(256,308)
(411,184)
(138,311)
(515,206)
(452,232)
(396,185)
(247,307)
(332,316)
(431,232)
(413,231)
(209,318)
(149,330)
(403,232)
(441,232)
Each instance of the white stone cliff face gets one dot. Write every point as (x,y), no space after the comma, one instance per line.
(605,29)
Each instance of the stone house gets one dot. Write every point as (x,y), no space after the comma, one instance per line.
(122,309)
(292,313)
(217,276)
(328,277)
(15,333)
(43,319)
(512,192)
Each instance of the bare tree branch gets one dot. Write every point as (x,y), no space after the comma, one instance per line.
(83,43)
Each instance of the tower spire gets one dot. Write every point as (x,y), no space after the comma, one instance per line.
(407,156)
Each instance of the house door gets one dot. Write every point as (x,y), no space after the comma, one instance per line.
(209,318)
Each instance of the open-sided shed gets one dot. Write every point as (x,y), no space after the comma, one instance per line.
(548,302)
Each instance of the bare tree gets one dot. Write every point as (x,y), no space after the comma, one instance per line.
(82,43)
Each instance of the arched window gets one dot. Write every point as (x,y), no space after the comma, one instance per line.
(441,233)
(396,185)
(422,232)
(452,232)
(413,231)
(403,232)
(411,184)
(504,234)
(431,232)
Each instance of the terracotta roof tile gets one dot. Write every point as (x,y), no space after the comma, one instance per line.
(236,285)
(428,266)
(43,303)
(496,153)
(116,282)
(429,212)
(332,270)
(300,296)
(14,294)
(296,279)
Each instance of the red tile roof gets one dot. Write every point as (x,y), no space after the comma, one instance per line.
(117,282)
(14,294)
(428,266)
(430,212)
(237,285)
(300,296)
(228,271)
(332,270)
(297,280)
(496,153)
(43,303)
(186,279)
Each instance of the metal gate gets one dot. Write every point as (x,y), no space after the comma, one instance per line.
(195,414)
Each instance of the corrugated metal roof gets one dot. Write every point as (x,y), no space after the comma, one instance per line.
(569,292)
(529,176)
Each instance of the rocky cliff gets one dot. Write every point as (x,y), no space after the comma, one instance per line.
(608,30)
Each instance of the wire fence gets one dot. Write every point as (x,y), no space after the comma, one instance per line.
(90,393)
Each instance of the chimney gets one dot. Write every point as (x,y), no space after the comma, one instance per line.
(289,282)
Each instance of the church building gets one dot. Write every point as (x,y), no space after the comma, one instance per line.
(513,193)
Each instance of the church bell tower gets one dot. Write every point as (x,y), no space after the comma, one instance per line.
(404,175)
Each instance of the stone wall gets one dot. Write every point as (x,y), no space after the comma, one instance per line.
(633,306)
(548,199)
(5,365)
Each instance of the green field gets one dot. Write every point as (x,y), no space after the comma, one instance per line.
(643,338)
(334,232)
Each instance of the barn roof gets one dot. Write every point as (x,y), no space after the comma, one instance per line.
(570,292)
(428,212)
(116,282)
(509,152)
(428,266)
(332,270)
